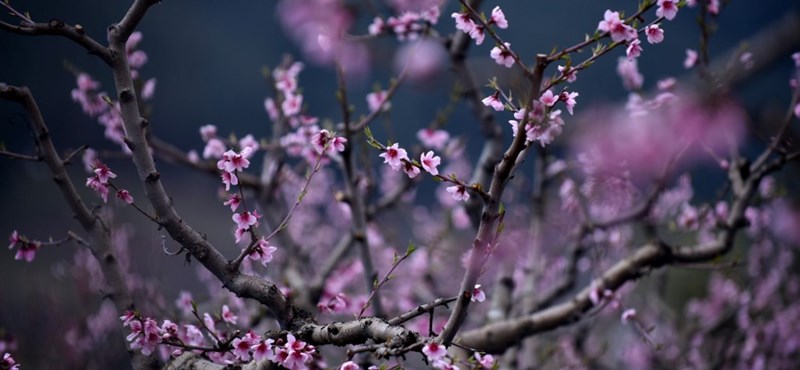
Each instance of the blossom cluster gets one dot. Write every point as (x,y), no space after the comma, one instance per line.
(98,103)
(146,335)
(408,25)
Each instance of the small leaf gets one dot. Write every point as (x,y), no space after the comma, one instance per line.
(411,248)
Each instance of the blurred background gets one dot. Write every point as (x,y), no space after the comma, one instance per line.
(208,58)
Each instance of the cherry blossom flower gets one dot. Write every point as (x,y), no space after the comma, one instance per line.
(208,132)
(241,348)
(98,186)
(487,361)
(228,316)
(571,74)
(654,33)
(148,89)
(376,27)
(349,365)
(245,219)
(667,9)
(27,249)
(334,304)
(628,315)
(628,70)
(618,30)
(214,148)
(263,350)
(429,162)
(435,139)
(232,161)
(103,172)
(410,169)
(498,18)
(291,104)
(434,351)
(459,192)
(503,56)
(394,156)
(234,200)
(634,49)
(548,99)
(229,179)
(494,102)
(463,22)
(796,58)
(262,252)
(444,365)
(272,109)
(420,60)
(125,196)
(325,142)
(478,34)
(9,362)
(377,101)
(691,59)
(477,294)
(569,99)
(184,302)
(797,110)
(713,6)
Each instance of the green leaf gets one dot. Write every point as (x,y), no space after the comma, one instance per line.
(411,248)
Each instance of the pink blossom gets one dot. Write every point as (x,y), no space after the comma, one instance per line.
(376,27)
(241,348)
(634,49)
(27,249)
(628,315)
(459,192)
(184,302)
(232,161)
(377,101)
(103,172)
(713,6)
(429,162)
(548,99)
(125,196)
(477,294)
(291,104)
(410,169)
(628,70)
(667,83)
(262,252)
(691,59)
(234,200)
(797,110)
(463,22)
(487,361)
(98,186)
(435,139)
(244,220)
(434,351)
(569,73)
(618,30)
(796,58)
(148,89)
(498,18)
(503,56)
(229,179)
(228,316)
(86,83)
(394,156)
(208,132)
(569,99)
(494,102)
(478,33)
(249,142)
(9,363)
(667,9)
(654,33)
(421,60)
(215,148)
(272,109)
(263,350)
(349,365)
(335,304)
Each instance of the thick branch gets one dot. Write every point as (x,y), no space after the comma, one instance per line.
(58,28)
